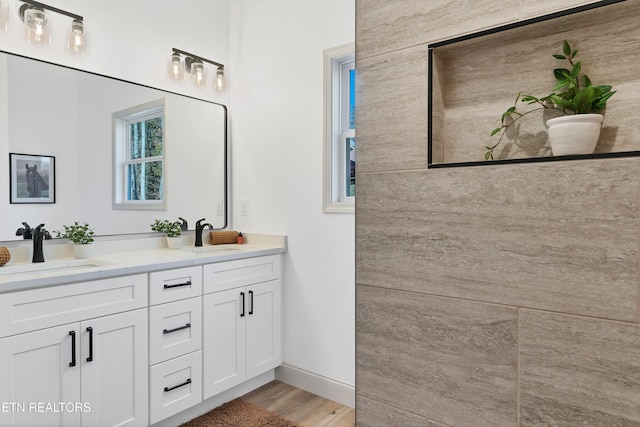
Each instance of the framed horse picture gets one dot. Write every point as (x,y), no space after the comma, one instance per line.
(32,178)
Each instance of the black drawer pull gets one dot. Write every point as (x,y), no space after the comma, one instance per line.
(178,386)
(242,296)
(179,328)
(250,302)
(90,330)
(187,283)
(73,348)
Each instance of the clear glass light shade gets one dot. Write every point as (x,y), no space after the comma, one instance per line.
(175,70)
(199,74)
(77,41)
(37,32)
(4,15)
(218,83)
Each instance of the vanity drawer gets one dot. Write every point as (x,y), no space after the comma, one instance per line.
(34,309)
(174,386)
(172,285)
(175,329)
(233,274)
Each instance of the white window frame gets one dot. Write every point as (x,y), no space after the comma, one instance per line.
(337,63)
(121,160)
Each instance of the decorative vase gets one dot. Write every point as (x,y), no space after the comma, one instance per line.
(5,255)
(82,251)
(174,242)
(576,134)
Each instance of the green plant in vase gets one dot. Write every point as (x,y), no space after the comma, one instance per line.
(169,228)
(78,233)
(573,94)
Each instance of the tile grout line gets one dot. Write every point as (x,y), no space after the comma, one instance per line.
(518,367)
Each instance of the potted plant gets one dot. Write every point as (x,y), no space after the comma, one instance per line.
(171,230)
(577,103)
(81,235)
(240,240)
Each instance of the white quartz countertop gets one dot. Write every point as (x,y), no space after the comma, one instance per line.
(25,275)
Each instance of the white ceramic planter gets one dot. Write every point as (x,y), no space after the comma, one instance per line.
(174,242)
(83,251)
(576,134)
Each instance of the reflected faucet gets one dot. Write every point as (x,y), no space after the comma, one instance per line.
(25,232)
(39,233)
(199,229)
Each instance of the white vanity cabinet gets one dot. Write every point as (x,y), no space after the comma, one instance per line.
(175,341)
(135,350)
(75,354)
(242,316)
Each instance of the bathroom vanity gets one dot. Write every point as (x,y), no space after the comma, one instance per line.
(132,338)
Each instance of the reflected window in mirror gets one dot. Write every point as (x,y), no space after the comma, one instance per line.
(138,135)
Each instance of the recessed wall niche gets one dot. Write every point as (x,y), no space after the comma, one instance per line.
(474,78)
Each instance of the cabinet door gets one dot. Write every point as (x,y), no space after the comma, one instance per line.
(264,327)
(115,369)
(223,342)
(35,372)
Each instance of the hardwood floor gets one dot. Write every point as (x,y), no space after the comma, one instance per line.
(301,407)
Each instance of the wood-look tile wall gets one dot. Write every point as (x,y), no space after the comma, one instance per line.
(487,296)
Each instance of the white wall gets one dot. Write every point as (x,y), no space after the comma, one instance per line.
(276,122)
(132,40)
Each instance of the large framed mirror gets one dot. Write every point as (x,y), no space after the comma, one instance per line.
(68,114)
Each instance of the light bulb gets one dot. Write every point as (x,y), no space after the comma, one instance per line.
(218,84)
(175,71)
(36,27)
(77,41)
(4,15)
(199,74)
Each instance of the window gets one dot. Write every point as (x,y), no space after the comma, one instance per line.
(139,157)
(340,129)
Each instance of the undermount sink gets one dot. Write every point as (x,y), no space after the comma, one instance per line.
(51,266)
(210,249)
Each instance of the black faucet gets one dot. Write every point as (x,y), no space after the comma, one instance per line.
(39,233)
(184,225)
(25,232)
(199,228)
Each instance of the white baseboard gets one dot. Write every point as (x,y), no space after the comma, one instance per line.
(328,388)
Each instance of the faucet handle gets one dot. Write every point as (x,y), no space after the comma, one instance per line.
(184,225)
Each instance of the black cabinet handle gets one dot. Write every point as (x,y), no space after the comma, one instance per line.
(73,348)
(242,296)
(187,283)
(90,330)
(166,389)
(250,302)
(168,331)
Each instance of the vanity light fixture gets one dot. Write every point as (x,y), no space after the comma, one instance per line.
(197,71)
(4,15)
(77,41)
(175,69)
(34,15)
(194,65)
(218,83)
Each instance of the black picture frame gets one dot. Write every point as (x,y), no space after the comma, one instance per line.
(32,178)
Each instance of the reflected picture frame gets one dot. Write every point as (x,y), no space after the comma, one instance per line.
(32,178)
